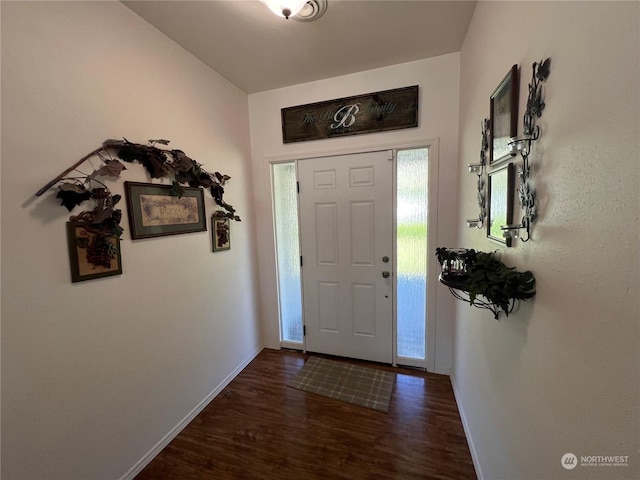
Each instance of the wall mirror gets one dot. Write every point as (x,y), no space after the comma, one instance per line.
(503,110)
(500,193)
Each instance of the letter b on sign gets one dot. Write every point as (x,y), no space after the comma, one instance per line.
(346,116)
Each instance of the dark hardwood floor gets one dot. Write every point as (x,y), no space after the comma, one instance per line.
(258,428)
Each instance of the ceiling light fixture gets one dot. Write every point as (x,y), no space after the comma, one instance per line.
(300,10)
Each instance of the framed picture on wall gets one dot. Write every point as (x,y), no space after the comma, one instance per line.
(155,210)
(220,231)
(92,254)
(503,109)
(500,192)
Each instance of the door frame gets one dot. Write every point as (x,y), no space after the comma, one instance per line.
(432,212)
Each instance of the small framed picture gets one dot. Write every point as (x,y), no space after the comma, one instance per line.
(500,211)
(220,231)
(92,254)
(503,111)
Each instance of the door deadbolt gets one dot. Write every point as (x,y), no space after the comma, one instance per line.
(385,274)
(385,259)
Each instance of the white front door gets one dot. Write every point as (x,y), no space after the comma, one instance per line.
(346,231)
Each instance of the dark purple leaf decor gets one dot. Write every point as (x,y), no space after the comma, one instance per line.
(75,188)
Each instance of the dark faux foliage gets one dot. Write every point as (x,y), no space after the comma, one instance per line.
(492,279)
(160,163)
(72,194)
(488,277)
(111,168)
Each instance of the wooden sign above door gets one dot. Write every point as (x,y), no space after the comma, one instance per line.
(372,112)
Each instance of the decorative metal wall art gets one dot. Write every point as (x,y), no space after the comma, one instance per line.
(373,112)
(478,169)
(522,145)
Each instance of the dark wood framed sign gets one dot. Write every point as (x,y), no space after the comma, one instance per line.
(372,112)
(504,116)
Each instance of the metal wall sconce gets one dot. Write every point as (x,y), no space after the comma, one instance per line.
(478,169)
(522,145)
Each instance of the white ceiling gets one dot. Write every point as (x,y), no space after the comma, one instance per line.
(257,51)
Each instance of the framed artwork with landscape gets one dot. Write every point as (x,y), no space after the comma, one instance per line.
(156,210)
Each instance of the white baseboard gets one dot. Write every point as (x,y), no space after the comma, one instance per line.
(151,454)
(467,431)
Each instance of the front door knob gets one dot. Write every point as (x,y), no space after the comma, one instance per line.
(385,274)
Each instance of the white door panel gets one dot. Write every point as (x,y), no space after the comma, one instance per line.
(346,229)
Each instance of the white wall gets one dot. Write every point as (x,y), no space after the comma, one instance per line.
(561,375)
(438,81)
(94,374)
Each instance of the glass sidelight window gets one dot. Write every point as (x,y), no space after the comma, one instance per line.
(288,251)
(411,257)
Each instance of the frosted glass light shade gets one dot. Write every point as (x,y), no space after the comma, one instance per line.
(285,8)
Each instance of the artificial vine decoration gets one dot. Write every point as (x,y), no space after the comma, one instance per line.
(105,219)
(485,282)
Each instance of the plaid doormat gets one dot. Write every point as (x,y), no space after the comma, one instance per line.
(363,386)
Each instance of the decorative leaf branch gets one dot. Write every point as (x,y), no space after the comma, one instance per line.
(160,163)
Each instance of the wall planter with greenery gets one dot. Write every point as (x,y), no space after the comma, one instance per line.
(483,281)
